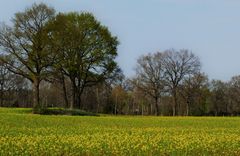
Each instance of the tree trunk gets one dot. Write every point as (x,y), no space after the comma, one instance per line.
(115,107)
(36,98)
(226,108)
(151,109)
(64,91)
(79,99)
(175,109)
(98,101)
(156,105)
(73,90)
(187,111)
(1,97)
(133,108)
(128,107)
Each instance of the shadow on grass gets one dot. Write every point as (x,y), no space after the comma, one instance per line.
(62,111)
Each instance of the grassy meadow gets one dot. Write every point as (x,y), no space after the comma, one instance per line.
(23,133)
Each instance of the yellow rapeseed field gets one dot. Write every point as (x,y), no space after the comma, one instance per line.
(23,133)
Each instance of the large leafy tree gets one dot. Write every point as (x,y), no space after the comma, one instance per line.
(86,51)
(25,45)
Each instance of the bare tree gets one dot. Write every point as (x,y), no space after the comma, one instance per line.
(149,76)
(25,45)
(177,65)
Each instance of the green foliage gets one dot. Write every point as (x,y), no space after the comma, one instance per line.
(83,45)
(30,134)
(85,50)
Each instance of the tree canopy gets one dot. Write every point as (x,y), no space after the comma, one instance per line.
(85,50)
(25,45)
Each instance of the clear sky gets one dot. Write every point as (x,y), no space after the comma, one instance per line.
(210,28)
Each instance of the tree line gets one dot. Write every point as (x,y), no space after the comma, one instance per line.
(67,60)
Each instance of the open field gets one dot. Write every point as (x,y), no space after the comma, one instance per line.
(22,133)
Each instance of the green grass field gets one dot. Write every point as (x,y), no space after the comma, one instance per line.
(22,133)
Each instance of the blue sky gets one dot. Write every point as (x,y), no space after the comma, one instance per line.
(210,28)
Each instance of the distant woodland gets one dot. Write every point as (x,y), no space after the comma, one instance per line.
(67,60)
